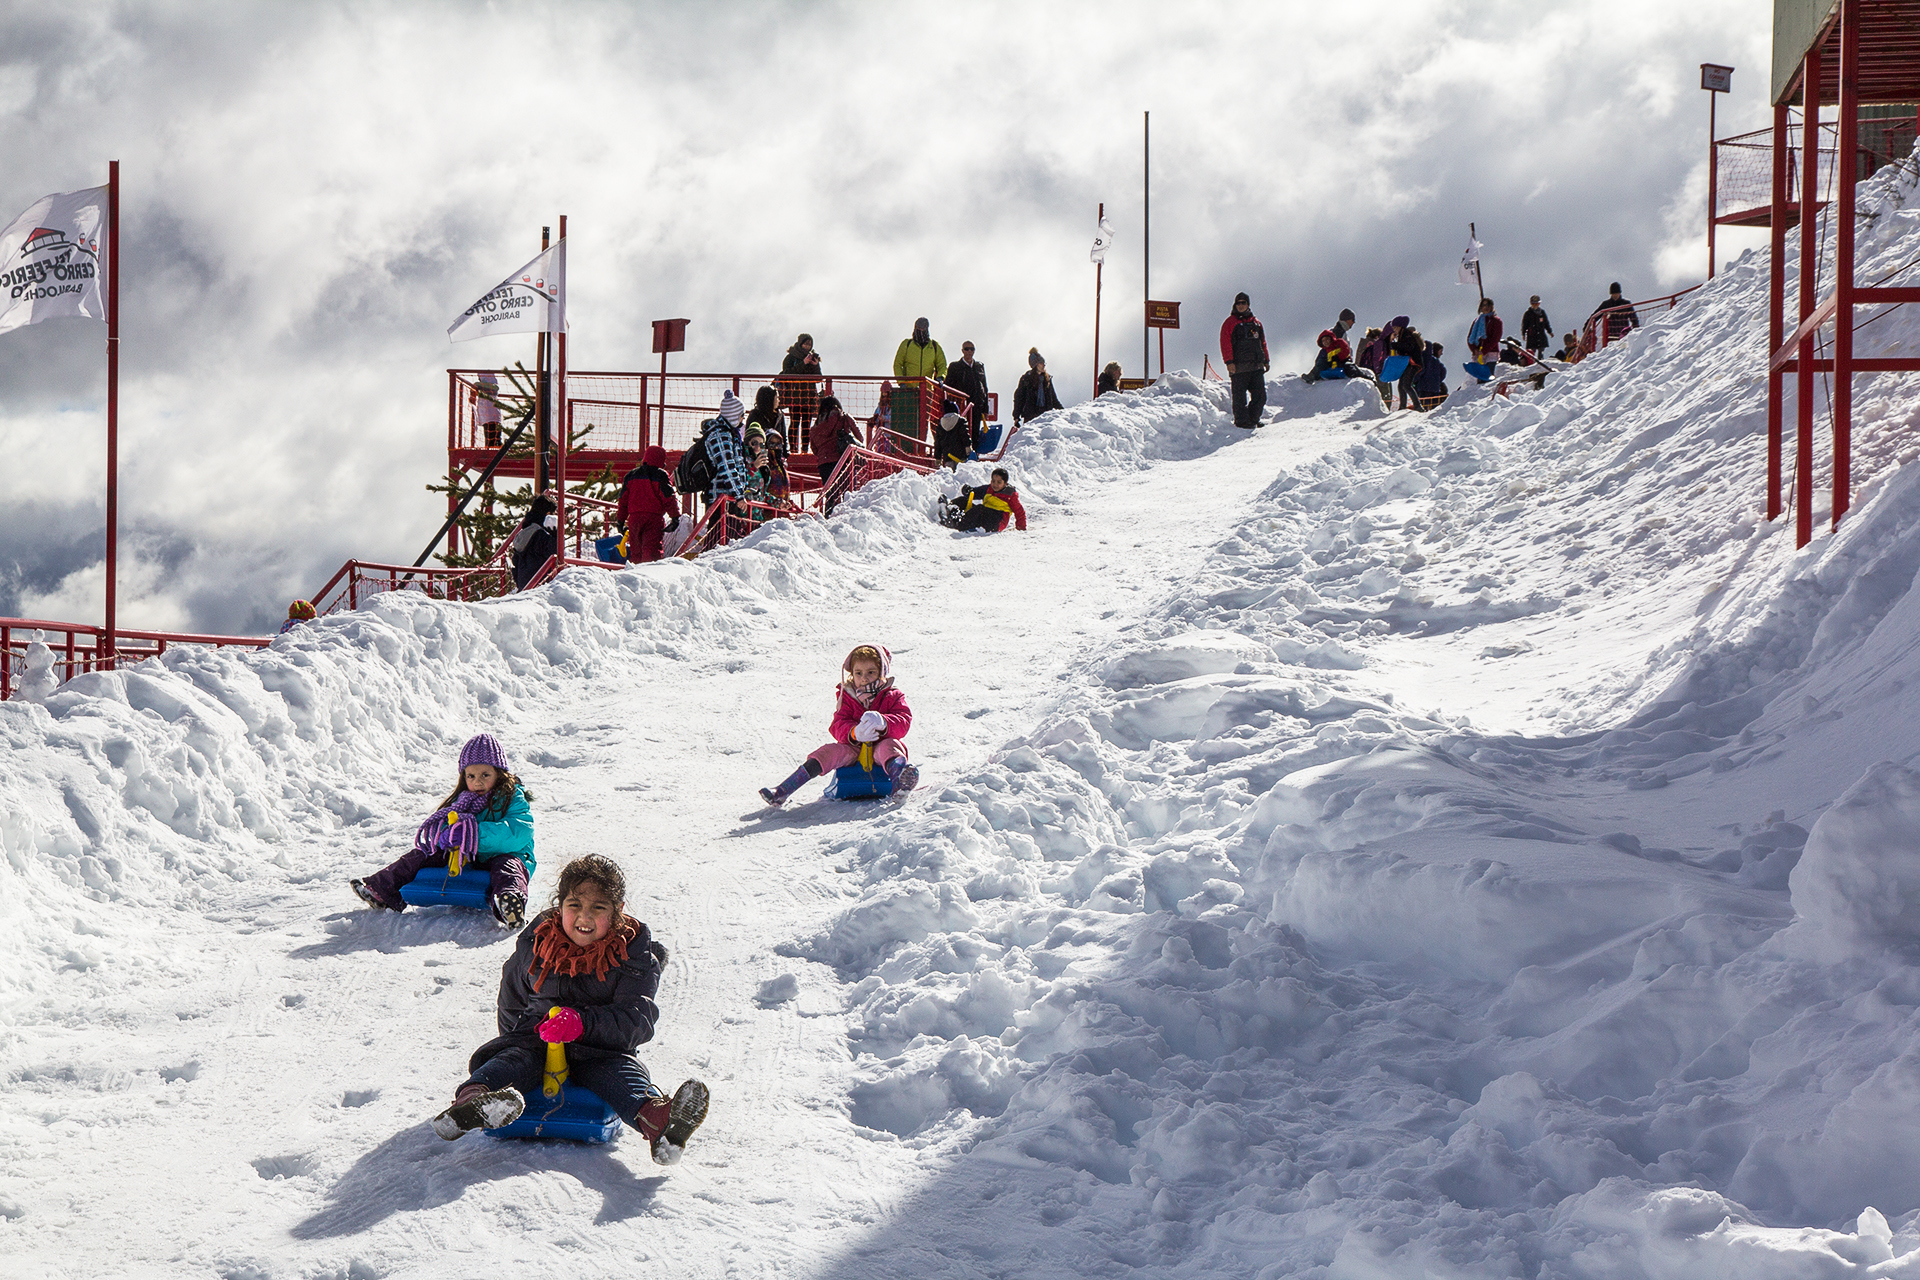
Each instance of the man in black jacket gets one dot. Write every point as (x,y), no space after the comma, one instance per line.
(1621,317)
(1243,345)
(1536,328)
(969,377)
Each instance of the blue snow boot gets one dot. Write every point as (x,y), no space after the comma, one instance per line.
(905,776)
(777,796)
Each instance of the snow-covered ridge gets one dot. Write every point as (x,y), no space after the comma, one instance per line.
(1257,956)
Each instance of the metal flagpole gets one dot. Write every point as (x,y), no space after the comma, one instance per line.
(1098,268)
(113,400)
(560,399)
(1473,235)
(1146,236)
(543,423)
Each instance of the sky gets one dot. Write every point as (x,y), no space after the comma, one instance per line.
(312,193)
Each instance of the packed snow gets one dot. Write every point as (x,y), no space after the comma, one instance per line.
(1471,844)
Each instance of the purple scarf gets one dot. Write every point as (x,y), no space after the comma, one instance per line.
(437,834)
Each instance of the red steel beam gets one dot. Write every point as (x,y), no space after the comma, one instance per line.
(1843,258)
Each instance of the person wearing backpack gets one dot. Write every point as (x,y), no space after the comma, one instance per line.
(1243,345)
(724,450)
(646,502)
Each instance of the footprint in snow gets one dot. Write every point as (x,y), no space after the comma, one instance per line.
(777,991)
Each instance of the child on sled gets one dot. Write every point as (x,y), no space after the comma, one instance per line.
(600,968)
(869,712)
(483,822)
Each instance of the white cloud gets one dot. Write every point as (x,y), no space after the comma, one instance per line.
(314,192)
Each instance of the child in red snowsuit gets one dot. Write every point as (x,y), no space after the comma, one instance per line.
(868,711)
(648,511)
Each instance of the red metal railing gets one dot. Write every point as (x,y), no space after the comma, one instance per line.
(78,648)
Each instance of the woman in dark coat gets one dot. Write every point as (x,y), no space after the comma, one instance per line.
(1035,394)
(584,975)
(535,541)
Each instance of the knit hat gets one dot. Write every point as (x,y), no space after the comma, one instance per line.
(1614,287)
(1346,316)
(731,410)
(1034,358)
(950,421)
(301,609)
(484,748)
(1241,297)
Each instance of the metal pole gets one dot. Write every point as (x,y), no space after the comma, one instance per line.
(1473,235)
(113,400)
(1713,173)
(566,413)
(1809,282)
(663,400)
(543,423)
(1098,268)
(1849,143)
(1776,305)
(1146,235)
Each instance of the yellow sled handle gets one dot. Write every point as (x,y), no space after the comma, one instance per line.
(556,1063)
(866,756)
(453,854)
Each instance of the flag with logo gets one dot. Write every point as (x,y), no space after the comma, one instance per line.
(531,300)
(1467,261)
(53,258)
(1102,241)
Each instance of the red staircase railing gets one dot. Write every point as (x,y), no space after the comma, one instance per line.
(78,648)
(1606,327)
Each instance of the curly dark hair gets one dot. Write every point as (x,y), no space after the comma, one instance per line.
(597,870)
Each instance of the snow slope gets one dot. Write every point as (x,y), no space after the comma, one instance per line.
(1380,846)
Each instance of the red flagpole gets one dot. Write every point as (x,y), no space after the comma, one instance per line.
(566,419)
(113,399)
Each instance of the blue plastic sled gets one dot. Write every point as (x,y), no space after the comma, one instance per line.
(1393,368)
(577,1114)
(1335,374)
(608,548)
(851,782)
(1479,372)
(989,441)
(431,888)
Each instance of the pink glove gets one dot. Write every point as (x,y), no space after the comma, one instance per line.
(562,1028)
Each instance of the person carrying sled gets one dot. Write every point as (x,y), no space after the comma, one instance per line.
(647,510)
(1243,346)
(1483,336)
(483,823)
(1621,318)
(986,506)
(535,541)
(1536,328)
(584,975)
(870,711)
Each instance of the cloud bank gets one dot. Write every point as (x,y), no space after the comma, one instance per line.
(312,193)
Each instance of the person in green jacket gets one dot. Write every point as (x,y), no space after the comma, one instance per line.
(918,357)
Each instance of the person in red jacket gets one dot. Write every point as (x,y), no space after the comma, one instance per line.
(869,711)
(646,503)
(1243,345)
(986,508)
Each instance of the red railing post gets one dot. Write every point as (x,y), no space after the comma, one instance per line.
(1846,163)
(1810,84)
(1776,305)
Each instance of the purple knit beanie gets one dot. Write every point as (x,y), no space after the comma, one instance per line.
(484,748)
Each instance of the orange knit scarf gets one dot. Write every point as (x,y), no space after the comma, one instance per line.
(559,954)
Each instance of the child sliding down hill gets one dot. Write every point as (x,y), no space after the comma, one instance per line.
(869,710)
(484,822)
(600,968)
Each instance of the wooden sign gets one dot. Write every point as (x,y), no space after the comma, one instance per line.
(1163,315)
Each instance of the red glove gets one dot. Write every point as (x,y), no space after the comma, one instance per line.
(562,1027)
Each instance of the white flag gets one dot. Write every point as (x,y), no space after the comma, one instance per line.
(52,260)
(1102,241)
(1467,259)
(531,300)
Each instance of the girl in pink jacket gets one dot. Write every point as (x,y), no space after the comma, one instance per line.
(868,711)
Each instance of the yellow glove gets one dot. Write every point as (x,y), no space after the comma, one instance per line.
(556,1074)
